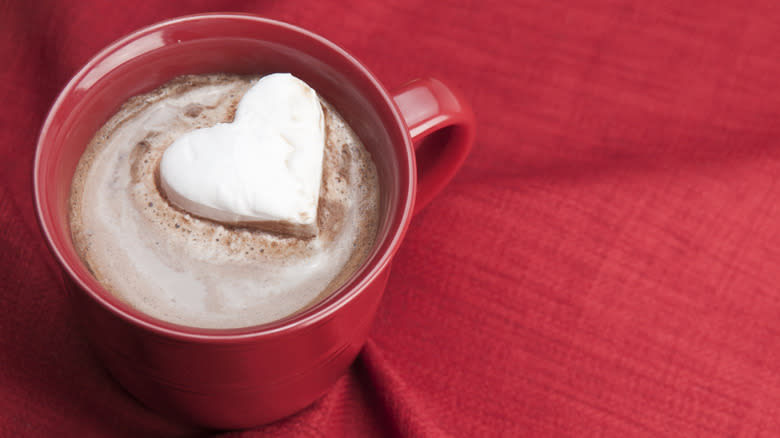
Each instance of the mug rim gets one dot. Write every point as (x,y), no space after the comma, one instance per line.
(316,313)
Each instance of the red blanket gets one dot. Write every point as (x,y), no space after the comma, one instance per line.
(606,263)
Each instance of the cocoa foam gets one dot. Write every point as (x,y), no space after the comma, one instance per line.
(192,271)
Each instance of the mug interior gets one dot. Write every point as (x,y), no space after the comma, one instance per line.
(226,43)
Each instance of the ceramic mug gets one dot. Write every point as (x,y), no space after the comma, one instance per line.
(236,378)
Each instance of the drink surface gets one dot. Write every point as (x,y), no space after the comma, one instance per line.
(196,272)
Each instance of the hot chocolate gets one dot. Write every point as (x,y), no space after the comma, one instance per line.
(193,271)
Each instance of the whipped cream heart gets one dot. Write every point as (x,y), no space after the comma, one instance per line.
(264,169)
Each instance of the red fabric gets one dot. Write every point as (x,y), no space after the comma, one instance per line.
(606,263)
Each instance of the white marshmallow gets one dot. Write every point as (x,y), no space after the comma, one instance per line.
(265,166)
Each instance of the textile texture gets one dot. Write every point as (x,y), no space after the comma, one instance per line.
(605,264)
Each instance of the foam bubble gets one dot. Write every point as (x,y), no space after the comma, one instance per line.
(193,271)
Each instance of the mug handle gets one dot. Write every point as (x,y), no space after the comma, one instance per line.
(441,125)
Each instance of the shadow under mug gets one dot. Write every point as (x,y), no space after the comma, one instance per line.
(236,378)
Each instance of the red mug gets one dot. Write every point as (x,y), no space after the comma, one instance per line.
(237,378)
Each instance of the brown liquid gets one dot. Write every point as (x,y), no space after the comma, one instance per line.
(192,271)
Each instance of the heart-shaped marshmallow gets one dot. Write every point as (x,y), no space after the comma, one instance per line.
(263,169)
